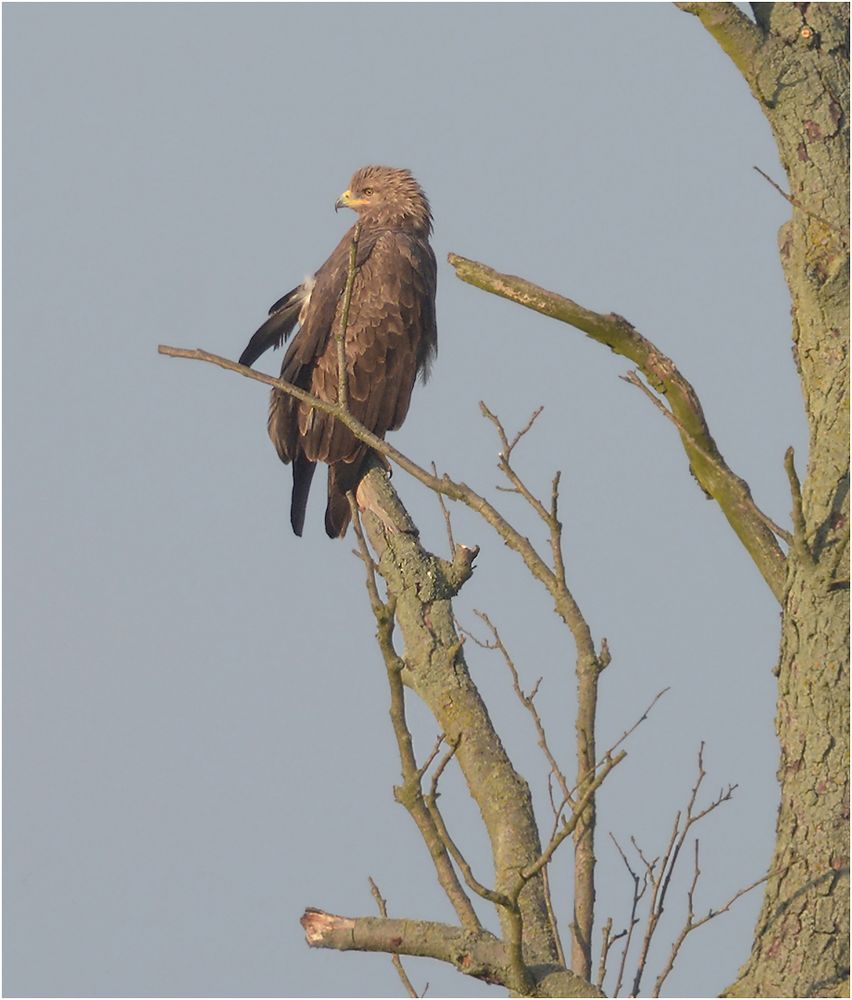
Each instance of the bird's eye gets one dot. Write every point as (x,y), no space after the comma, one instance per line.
(368,191)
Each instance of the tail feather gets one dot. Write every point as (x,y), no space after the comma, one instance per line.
(303,473)
(342,477)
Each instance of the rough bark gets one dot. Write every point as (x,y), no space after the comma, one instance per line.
(795,60)
(422,586)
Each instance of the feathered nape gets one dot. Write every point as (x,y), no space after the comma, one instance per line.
(398,198)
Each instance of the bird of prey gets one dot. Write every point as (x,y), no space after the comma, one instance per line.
(391,338)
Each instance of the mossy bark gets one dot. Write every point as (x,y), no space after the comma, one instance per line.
(422,587)
(796,62)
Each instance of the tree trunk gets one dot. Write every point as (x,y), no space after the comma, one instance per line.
(795,59)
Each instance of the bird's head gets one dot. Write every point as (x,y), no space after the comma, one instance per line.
(387,196)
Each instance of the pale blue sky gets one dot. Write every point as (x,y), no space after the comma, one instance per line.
(196,734)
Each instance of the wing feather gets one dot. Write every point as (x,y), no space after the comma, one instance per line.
(390,339)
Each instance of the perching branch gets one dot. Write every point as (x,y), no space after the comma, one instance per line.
(707,464)
(440,484)
(589,661)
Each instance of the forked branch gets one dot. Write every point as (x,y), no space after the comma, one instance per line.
(706,462)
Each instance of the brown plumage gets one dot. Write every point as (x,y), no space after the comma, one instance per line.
(390,338)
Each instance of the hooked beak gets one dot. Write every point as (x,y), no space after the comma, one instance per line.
(347,201)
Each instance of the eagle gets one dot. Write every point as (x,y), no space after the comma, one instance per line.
(391,338)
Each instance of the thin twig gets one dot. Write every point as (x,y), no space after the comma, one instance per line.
(340,336)
(642,718)
(529,704)
(381,903)
(424,767)
(792,200)
(608,939)
(661,880)
(363,552)
(467,872)
(551,916)
(692,924)
(445,511)
(504,464)
(568,826)
(634,920)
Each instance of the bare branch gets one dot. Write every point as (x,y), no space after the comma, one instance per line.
(529,704)
(692,924)
(569,826)
(504,463)
(497,898)
(423,586)
(551,915)
(660,879)
(608,939)
(565,606)
(445,511)
(800,528)
(512,831)
(843,233)
(715,477)
(409,793)
(474,953)
(638,893)
(642,718)
(633,379)
(363,553)
(436,749)
(740,38)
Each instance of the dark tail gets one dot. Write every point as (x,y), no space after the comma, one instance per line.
(303,473)
(342,477)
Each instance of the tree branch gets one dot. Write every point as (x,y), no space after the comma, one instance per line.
(440,484)
(800,528)
(588,667)
(660,879)
(410,793)
(739,37)
(707,464)
(478,954)
(691,924)
(340,335)
(422,587)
